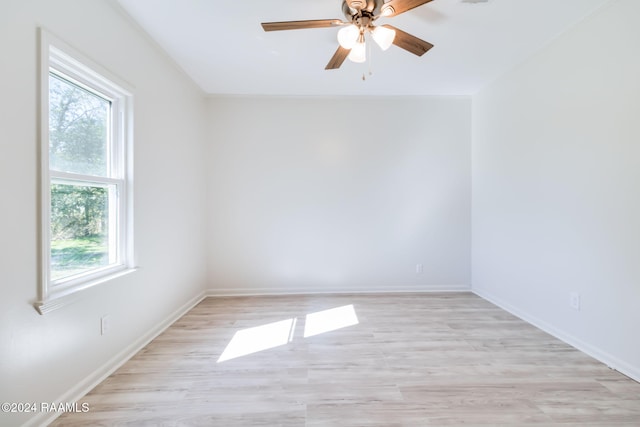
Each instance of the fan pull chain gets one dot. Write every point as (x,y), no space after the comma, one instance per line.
(369,61)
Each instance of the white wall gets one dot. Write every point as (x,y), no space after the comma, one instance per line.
(556,200)
(339,194)
(44,357)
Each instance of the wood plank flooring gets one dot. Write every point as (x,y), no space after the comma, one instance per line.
(411,360)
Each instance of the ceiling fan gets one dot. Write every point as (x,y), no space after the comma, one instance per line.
(361,15)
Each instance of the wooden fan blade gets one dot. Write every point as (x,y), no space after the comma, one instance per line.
(408,42)
(300,25)
(338,58)
(396,7)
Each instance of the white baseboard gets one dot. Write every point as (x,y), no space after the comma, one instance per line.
(611,361)
(76,393)
(232,292)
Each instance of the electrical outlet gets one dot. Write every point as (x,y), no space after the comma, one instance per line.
(419,268)
(105,324)
(574,300)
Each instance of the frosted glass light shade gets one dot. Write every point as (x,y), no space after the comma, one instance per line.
(387,10)
(348,36)
(383,37)
(358,53)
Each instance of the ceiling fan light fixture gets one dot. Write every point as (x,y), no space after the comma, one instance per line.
(348,36)
(361,17)
(358,52)
(383,37)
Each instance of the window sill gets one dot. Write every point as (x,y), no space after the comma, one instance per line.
(64,297)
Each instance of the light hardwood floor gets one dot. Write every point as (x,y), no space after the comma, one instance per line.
(411,360)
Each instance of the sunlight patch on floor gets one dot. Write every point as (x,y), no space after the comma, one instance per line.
(264,337)
(252,340)
(330,320)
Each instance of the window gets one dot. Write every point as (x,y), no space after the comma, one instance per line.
(86,177)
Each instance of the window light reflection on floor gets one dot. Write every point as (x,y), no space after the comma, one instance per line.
(330,320)
(259,338)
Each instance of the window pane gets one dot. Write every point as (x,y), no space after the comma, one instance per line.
(80,229)
(78,129)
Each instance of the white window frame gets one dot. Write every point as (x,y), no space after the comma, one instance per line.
(60,59)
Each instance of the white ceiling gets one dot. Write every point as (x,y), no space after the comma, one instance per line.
(222,46)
